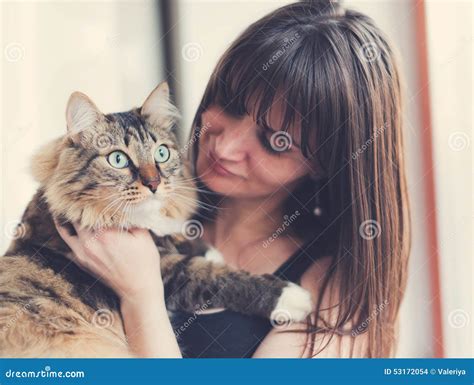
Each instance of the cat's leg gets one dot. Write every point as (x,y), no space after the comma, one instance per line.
(29,331)
(213,255)
(91,346)
(193,283)
(39,317)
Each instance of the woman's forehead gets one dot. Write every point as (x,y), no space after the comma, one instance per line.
(273,107)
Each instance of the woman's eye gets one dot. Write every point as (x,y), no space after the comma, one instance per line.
(267,144)
(118,159)
(275,142)
(162,154)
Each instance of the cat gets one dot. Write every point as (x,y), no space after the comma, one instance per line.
(116,170)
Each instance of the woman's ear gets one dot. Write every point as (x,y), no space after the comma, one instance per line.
(316,175)
(158,109)
(316,171)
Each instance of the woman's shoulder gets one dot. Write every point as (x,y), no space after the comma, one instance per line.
(314,276)
(338,345)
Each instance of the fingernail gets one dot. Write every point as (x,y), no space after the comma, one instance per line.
(70,228)
(65,224)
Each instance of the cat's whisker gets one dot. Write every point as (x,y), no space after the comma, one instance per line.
(200,203)
(209,170)
(185,204)
(177,192)
(131,213)
(191,202)
(103,198)
(122,221)
(206,217)
(184,197)
(120,207)
(119,201)
(190,179)
(102,214)
(186,187)
(128,214)
(197,178)
(110,204)
(118,223)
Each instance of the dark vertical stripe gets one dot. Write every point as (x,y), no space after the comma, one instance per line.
(166,14)
(83,170)
(153,136)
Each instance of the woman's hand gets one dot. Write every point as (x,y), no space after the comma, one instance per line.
(127,261)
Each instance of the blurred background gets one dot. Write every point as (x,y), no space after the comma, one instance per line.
(117,51)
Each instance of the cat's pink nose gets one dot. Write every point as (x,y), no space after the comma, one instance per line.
(150,177)
(151,184)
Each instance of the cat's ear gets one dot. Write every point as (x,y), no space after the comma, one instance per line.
(81,114)
(158,109)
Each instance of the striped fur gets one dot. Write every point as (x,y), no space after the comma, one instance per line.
(49,307)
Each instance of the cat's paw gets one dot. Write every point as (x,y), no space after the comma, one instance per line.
(294,305)
(213,255)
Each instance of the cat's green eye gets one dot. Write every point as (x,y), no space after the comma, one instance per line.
(162,154)
(118,159)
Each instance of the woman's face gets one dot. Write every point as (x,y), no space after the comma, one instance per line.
(237,158)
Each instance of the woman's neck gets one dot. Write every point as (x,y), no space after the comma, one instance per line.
(241,224)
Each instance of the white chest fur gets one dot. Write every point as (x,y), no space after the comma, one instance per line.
(149,215)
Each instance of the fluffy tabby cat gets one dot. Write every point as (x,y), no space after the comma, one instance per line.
(115,170)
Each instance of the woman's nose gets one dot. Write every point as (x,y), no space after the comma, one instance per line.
(233,142)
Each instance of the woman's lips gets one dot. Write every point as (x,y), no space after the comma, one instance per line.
(217,167)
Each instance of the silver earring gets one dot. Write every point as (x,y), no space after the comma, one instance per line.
(317,210)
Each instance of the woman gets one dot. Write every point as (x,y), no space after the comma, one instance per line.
(298,141)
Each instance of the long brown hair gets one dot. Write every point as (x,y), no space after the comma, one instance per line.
(341,84)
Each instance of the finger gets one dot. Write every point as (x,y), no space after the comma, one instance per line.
(114,236)
(68,227)
(72,241)
(137,232)
(84,234)
(64,233)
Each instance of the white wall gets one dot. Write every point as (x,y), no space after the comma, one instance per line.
(450,75)
(204,29)
(109,50)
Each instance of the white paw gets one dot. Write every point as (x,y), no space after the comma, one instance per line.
(294,305)
(213,255)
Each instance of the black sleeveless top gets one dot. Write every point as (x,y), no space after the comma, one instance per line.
(228,334)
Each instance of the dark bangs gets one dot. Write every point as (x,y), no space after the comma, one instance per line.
(273,65)
(265,70)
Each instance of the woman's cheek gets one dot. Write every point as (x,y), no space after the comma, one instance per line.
(278,171)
